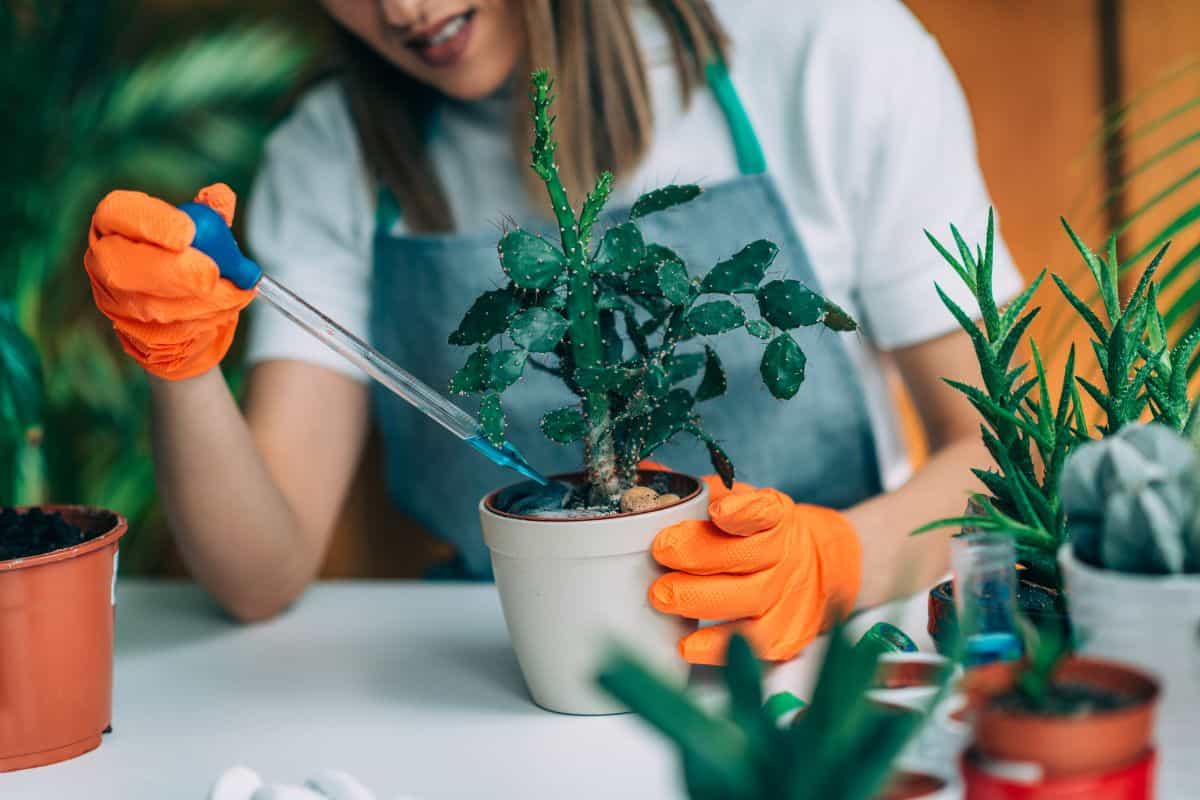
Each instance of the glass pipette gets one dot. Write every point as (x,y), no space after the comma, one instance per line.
(214,238)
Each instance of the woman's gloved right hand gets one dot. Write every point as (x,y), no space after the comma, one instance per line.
(170,307)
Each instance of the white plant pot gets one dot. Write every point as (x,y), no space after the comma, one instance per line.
(1152,622)
(571,589)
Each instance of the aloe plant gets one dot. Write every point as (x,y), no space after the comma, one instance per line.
(842,745)
(1029,431)
(610,321)
(93,110)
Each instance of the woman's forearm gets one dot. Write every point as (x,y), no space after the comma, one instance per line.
(894,562)
(234,528)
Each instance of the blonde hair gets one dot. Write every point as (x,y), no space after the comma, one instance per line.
(590,48)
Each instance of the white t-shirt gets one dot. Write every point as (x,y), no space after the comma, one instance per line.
(863,124)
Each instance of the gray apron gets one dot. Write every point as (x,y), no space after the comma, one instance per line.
(817,447)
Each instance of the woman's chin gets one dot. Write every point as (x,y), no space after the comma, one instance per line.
(468,88)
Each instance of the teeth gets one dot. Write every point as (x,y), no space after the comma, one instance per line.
(448,32)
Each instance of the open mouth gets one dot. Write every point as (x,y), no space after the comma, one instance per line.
(442,44)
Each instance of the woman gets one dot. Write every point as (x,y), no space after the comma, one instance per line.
(834,129)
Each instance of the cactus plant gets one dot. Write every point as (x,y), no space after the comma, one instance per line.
(1133,501)
(611,321)
(842,745)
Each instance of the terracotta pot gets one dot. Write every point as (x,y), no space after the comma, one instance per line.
(1042,606)
(573,588)
(56,645)
(1132,782)
(1094,743)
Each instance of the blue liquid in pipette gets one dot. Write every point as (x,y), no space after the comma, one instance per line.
(986,648)
(507,456)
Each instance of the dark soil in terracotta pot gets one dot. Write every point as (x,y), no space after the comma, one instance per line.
(1066,699)
(1042,605)
(31,533)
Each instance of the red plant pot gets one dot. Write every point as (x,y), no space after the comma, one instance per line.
(56,645)
(1132,782)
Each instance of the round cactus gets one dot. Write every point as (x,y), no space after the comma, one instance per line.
(1133,501)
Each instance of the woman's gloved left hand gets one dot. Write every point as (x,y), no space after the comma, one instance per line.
(778,571)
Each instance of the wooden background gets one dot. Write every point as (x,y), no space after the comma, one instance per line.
(1038,75)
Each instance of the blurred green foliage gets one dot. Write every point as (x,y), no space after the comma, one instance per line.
(107,94)
(842,745)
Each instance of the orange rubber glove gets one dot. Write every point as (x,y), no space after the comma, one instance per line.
(779,570)
(168,304)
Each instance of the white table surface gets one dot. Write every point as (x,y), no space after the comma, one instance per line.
(410,686)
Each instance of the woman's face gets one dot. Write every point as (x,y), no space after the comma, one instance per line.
(464,48)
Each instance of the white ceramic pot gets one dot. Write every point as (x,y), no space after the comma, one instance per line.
(1152,622)
(571,589)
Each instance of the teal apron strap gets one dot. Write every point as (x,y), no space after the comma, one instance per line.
(387,210)
(750,158)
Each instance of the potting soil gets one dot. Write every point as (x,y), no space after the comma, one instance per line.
(35,532)
(561,500)
(1065,699)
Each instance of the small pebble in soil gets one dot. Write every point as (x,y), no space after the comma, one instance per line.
(639,498)
(667,499)
(35,532)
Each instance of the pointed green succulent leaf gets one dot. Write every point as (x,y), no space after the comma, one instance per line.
(983,350)
(1017,306)
(759,329)
(1099,272)
(621,250)
(564,425)
(1142,290)
(967,277)
(487,317)
(472,378)
(505,368)
(530,261)
(684,365)
(782,366)
(664,198)
(491,419)
(742,272)
(789,304)
(709,319)
(674,283)
(743,677)
(1008,345)
(714,383)
(1082,309)
(538,330)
